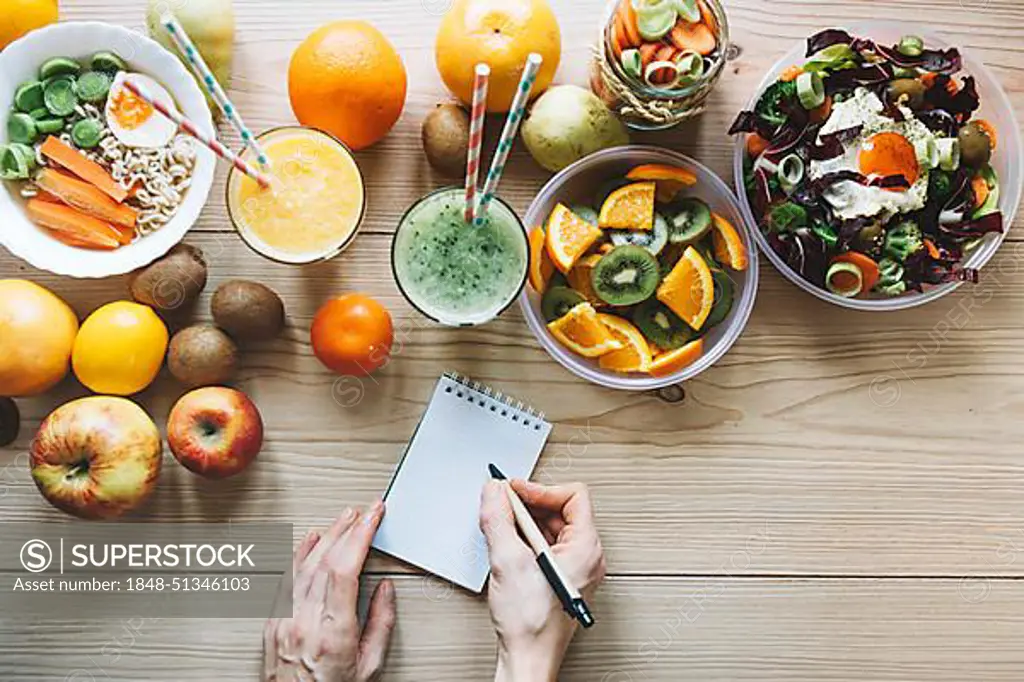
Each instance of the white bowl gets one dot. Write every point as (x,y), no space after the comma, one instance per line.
(995,106)
(578,184)
(20,62)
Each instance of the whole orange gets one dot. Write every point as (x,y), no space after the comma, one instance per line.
(18,17)
(502,34)
(37,335)
(347,79)
(352,335)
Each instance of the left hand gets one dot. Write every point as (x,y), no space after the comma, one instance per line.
(323,639)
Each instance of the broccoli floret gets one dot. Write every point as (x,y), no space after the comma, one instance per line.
(890,278)
(903,240)
(771,105)
(786,217)
(940,185)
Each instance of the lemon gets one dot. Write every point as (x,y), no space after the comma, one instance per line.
(21,16)
(119,349)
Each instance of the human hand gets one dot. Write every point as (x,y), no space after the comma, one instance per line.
(323,639)
(533,630)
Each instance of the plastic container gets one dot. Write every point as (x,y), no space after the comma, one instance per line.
(578,183)
(645,107)
(995,106)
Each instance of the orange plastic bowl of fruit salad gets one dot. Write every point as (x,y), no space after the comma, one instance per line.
(580,183)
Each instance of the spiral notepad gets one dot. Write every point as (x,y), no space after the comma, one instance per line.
(433,501)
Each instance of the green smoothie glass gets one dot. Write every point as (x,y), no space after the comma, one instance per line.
(457,274)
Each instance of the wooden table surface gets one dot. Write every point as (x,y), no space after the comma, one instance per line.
(840,498)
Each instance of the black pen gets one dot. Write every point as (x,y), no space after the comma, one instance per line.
(572,600)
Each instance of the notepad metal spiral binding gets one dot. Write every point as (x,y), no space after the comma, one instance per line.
(488,396)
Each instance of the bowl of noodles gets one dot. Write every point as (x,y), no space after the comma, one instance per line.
(97,183)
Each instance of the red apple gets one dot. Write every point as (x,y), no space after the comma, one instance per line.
(97,457)
(215,431)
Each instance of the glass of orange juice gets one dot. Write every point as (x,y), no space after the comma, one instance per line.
(315,203)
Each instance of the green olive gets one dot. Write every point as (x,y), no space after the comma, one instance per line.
(975,146)
(909,90)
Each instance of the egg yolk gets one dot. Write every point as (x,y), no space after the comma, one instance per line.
(130,111)
(887,154)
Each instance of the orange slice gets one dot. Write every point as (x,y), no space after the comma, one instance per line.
(689,290)
(672,362)
(580,279)
(629,208)
(569,237)
(581,331)
(541,265)
(636,353)
(660,171)
(729,248)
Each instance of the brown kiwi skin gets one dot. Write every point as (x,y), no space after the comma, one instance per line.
(171,283)
(202,355)
(248,311)
(445,136)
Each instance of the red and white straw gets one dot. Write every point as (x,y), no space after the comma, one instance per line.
(189,128)
(476,137)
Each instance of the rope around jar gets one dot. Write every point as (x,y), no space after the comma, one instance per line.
(656,111)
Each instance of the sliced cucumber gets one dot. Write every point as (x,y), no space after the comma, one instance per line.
(632,63)
(690,221)
(810,89)
(688,10)
(29,96)
(59,66)
(60,96)
(849,287)
(86,133)
(655,19)
(654,240)
(13,165)
(22,128)
(725,292)
(108,62)
(93,87)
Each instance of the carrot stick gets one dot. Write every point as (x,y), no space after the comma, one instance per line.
(86,198)
(664,54)
(90,171)
(695,37)
(73,224)
(616,40)
(629,23)
(708,17)
(647,52)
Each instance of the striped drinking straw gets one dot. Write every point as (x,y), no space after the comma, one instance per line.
(195,60)
(508,134)
(476,137)
(192,130)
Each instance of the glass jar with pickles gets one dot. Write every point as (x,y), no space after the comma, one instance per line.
(657,60)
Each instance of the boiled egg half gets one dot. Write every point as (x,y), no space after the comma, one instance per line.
(134,121)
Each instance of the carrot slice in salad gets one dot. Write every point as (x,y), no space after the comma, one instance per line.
(981,190)
(629,23)
(695,37)
(756,145)
(88,170)
(933,250)
(73,227)
(791,73)
(868,268)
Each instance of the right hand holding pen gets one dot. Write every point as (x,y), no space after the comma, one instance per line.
(533,630)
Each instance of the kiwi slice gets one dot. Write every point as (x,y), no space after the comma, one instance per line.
(558,301)
(585,212)
(661,326)
(690,220)
(626,275)
(670,255)
(653,240)
(725,292)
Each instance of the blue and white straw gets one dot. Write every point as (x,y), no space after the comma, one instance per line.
(508,134)
(195,60)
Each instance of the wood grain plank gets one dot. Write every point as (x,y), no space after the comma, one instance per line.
(865,450)
(711,629)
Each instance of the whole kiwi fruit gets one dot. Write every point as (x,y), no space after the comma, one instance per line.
(10,422)
(446,139)
(172,282)
(248,311)
(202,355)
